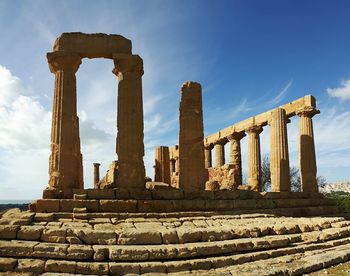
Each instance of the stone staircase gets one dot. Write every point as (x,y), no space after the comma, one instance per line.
(291,234)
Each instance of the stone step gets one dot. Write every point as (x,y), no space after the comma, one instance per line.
(172,231)
(151,252)
(287,206)
(293,260)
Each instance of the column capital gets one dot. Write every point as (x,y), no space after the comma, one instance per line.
(254,129)
(222,141)
(307,111)
(209,146)
(124,63)
(96,164)
(236,136)
(62,61)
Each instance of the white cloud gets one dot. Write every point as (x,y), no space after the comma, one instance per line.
(279,97)
(239,109)
(342,92)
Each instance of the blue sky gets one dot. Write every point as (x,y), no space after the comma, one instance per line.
(249,56)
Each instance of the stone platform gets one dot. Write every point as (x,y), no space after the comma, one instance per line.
(80,237)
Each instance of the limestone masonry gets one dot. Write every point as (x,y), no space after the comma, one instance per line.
(197,217)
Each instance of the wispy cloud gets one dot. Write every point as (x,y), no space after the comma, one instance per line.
(342,92)
(276,100)
(239,109)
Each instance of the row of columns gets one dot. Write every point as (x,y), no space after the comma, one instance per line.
(65,164)
(279,156)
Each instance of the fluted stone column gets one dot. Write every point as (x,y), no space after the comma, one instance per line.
(279,157)
(192,175)
(96,173)
(208,156)
(130,147)
(254,158)
(307,156)
(219,147)
(236,157)
(162,165)
(65,164)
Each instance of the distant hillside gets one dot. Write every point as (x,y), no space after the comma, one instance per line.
(339,186)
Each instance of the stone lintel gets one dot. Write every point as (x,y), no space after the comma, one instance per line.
(307,111)
(96,45)
(262,118)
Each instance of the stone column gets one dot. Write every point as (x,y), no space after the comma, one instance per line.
(96,173)
(207,156)
(219,147)
(307,156)
(65,164)
(236,157)
(162,165)
(177,164)
(192,175)
(254,158)
(130,147)
(279,157)
(172,167)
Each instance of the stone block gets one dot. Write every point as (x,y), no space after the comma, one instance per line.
(178,266)
(150,206)
(187,235)
(101,194)
(188,205)
(30,233)
(79,196)
(146,236)
(169,236)
(31,265)
(200,265)
(101,252)
(152,267)
(131,193)
(219,204)
(126,206)
(60,266)
(157,252)
(54,235)
(216,234)
(67,205)
(226,194)
(14,221)
(96,236)
(8,232)
(51,193)
(7,264)
(16,248)
(167,193)
(124,268)
(50,250)
(128,253)
(199,195)
(79,252)
(47,205)
(40,217)
(245,204)
(94,268)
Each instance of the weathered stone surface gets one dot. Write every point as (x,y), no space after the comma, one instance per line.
(128,253)
(191,147)
(279,156)
(146,236)
(47,205)
(92,268)
(7,264)
(79,252)
(16,248)
(189,235)
(60,266)
(92,45)
(96,236)
(30,233)
(54,235)
(31,265)
(212,185)
(118,205)
(8,231)
(67,205)
(50,250)
(162,165)
(100,194)
(124,268)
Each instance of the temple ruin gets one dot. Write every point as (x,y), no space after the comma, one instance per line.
(196,217)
